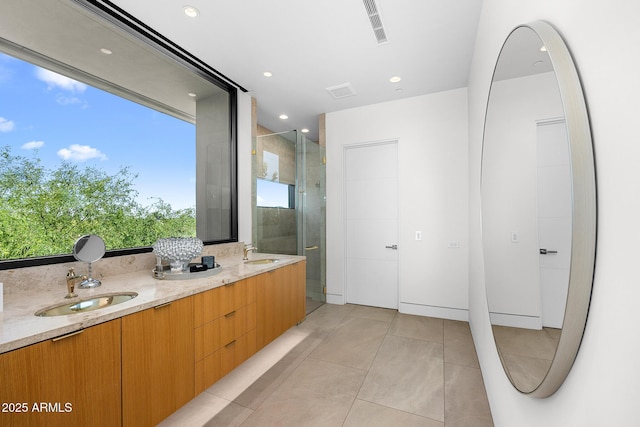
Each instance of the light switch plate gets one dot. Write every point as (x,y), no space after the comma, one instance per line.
(418,235)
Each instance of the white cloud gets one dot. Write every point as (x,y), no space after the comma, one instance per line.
(6,125)
(55,80)
(69,100)
(81,153)
(32,145)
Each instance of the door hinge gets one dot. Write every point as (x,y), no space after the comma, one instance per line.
(324,290)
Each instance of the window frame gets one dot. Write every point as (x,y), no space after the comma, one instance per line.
(136,28)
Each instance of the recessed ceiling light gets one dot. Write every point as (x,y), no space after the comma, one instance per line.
(395,79)
(193,95)
(267,74)
(106,51)
(305,130)
(543,48)
(284,116)
(191,11)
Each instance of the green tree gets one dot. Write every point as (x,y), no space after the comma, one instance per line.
(43,211)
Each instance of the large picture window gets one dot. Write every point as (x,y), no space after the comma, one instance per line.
(78,160)
(130,158)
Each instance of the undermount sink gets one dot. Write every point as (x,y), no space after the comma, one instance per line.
(87,304)
(262,261)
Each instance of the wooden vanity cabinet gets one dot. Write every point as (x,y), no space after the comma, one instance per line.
(157,362)
(281,301)
(233,321)
(224,330)
(72,380)
(138,370)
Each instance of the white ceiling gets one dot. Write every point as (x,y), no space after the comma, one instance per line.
(310,46)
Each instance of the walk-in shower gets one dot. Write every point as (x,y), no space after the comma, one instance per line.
(289,203)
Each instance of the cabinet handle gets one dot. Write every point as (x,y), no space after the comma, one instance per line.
(230,314)
(162,305)
(232,342)
(67,336)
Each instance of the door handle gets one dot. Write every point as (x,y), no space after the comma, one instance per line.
(394,247)
(547,252)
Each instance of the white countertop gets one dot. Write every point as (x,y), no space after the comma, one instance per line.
(20,327)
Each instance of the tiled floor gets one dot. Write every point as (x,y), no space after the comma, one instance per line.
(526,353)
(352,366)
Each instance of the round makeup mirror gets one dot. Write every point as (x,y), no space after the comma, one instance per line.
(89,248)
(538,209)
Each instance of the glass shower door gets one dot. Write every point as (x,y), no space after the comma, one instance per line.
(311,217)
(289,204)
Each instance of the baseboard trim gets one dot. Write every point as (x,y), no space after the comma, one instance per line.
(335,299)
(434,311)
(515,321)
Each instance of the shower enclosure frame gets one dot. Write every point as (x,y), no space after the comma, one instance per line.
(294,165)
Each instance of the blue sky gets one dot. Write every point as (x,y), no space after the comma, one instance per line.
(61,119)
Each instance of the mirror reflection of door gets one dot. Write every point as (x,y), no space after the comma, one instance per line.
(554,219)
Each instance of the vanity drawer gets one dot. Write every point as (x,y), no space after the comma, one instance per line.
(207,339)
(237,351)
(232,296)
(237,322)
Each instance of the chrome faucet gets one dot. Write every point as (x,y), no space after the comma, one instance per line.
(72,279)
(247,249)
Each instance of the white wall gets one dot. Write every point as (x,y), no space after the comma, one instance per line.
(603,386)
(432,157)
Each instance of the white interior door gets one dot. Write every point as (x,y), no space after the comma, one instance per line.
(371,201)
(554,219)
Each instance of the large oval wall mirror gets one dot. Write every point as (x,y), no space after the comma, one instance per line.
(538,209)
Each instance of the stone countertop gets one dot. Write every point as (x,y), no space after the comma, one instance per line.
(19,326)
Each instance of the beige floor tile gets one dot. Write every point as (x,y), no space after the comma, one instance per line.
(465,395)
(366,414)
(407,374)
(469,421)
(418,327)
(197,412)
(353,343)
(459,349)
(525,342)
(231,416)
(373,313)
(405,370)
(324,320)
(317,393)
(526,372)
(456,327)
(554,333)
(264,386)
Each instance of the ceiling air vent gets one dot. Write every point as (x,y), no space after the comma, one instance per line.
(341,91)
(376,21)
